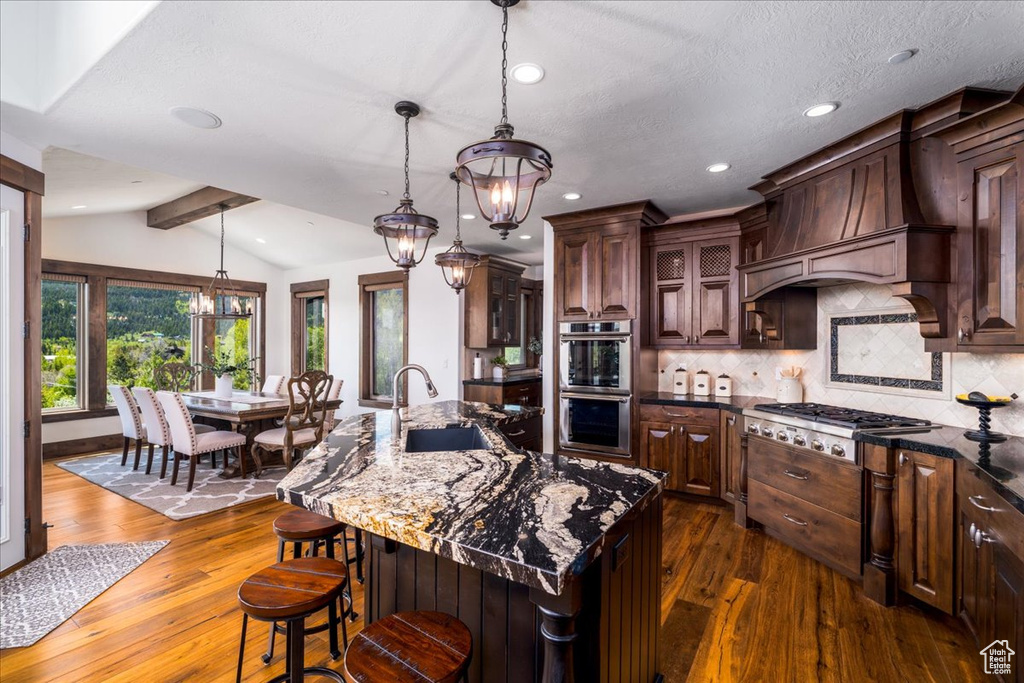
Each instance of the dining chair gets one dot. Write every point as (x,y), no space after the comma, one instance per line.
(303,424)
(174,376)
(332,395)
(158,432)
(189,443)
(273,384)
(132,426)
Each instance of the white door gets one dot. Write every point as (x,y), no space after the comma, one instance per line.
(12,377)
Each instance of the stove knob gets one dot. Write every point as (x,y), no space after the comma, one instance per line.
(799,440)
(783,436)
(754,429)
(767,431)
(838,450)
(817,445)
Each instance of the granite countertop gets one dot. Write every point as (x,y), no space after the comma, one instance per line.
(734,404)
(1004,470)
(508,381)
(527,517)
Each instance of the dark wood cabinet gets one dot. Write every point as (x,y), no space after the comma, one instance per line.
(493,313)
(784,319)
(596,270)
(526,434)
(517,393)
(731,429)
(925,531)
(685,443)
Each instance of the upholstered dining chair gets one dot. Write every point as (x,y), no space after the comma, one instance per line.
(188,443)
(273,384)
(303,424)
(158,432)
(174,377)
(132,426)
(333,392)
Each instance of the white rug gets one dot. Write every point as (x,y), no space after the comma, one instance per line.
(209,494)
(42,595)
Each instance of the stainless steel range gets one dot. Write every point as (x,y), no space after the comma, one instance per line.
(828,430)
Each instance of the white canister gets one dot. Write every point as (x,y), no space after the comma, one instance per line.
(702,384)
(789,390)
(680,382)
(723,385)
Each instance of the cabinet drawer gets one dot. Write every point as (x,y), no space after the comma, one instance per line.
(523,394)
(701,416)
(830,484)
(522,432)
(825,536)
(976,499)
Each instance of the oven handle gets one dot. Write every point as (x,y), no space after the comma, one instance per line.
(620,338)
(597,397)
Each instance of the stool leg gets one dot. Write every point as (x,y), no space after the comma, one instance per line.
(280,550)
(241,648)
(329,547)
(332,630)
(344,629)
(296,650)
(269,654)
(297,549)
(359,555)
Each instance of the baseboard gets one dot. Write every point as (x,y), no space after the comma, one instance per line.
(91,444)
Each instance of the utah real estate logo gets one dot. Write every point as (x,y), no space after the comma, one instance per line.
(997,657)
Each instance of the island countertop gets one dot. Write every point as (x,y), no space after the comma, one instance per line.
(528,517)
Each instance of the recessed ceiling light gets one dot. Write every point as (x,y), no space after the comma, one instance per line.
(197,118)
(261,240)
(526,237)
(821,109)
(136,182)
(78,206)
(901,57)
(571,196)
(527,73)
(719,167)
(468,216)
(382,193)
(310,223)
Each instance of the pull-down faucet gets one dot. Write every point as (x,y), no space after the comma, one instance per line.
(396,416)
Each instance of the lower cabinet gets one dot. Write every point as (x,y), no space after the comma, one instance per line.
(684,443)
(731,429)
(525,434)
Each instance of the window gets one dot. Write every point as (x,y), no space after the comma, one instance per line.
(61,341)
(384,340)
(309,326)
(529,315)
(233,336)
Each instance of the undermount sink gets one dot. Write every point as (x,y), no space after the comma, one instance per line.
(445,439)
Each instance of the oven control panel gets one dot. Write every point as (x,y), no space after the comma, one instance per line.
(802,438)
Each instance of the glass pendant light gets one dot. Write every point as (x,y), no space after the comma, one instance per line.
(457,264)
(220,300)
(405,229)
(504,172)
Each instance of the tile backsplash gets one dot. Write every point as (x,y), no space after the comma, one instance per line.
(871,356)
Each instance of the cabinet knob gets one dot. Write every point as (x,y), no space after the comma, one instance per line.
(696,339)
(978,536)
(686,339)
(902,459)
(760,336)
(962,335)
(731,420)
(970,532)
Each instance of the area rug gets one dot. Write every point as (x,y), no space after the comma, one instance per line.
(43,594)
(209,494)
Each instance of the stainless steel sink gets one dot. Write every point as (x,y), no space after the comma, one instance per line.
(445,439)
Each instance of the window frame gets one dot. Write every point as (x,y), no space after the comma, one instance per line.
(300,291)
(95,314)
(368,284)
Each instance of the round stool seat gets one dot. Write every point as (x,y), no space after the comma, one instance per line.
(292,589)
(413,647)
(303,525)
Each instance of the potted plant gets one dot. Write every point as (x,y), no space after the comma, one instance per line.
(224,369)
(536,347)
(500,363)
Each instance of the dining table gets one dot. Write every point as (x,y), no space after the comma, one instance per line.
(246,412)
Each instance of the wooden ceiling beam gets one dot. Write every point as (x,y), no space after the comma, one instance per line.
(194,206)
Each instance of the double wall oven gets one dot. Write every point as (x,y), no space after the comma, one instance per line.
(595,386)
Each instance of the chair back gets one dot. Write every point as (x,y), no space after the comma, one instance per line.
(273,384)
(183,432)
(174,377)
(158,432)
(332,395)
(307,404)
(131,423)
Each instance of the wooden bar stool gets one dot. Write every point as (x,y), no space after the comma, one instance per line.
(411,647)
(291,591)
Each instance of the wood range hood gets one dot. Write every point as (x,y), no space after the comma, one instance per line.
(878,206)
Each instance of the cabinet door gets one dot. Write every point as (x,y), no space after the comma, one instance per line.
(670,285)
(574,259)
(1008,606)
(990,244)
(657,446)
(715,309)
(616,270)
(926,527)
(698,449)
(513,312)
(732,432)
(975,579)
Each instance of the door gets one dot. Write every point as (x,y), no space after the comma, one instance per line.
(670,272)
(715,314)
(1008,606)
(975,579)
(513,311)
(12,377)
(732,432)
(990,242)
(926,523)
(616,275)
(574,258)
(496,308)
(698,450)
(658,450)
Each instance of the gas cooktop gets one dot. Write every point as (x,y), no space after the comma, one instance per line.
(841,417)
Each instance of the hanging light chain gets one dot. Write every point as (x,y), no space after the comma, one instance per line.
(458,210)
(406,117)
(504,62)
(222,237)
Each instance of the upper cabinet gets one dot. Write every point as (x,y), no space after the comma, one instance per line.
(597,261)
(492,304)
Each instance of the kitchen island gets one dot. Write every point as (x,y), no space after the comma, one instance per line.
(554,563)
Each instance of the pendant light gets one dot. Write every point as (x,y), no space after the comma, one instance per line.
(457,264)
(504,172)
(220,300)
(409,231)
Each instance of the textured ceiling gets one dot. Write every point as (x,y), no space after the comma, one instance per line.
(638,99)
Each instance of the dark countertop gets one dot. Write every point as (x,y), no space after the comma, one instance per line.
(1004,471)
(527,517)
(508,381)
(734,404)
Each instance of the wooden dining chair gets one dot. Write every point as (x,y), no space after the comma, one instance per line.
(132,426)
(188,443)
(303,424)
(158,432)
(174,376)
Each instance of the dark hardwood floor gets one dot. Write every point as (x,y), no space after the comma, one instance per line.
(737,605)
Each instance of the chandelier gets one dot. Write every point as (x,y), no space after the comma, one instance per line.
(220,300)
(502,171)
(456,263)
(406,230)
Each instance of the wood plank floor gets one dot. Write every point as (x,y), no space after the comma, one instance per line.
(737,605)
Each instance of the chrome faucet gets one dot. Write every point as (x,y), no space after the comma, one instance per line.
(396,416)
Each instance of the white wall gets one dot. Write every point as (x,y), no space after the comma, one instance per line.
(123,239)
(21,152)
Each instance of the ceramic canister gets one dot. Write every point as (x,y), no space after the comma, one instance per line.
(680,382)
(789,390)
(723,385)
(702,384)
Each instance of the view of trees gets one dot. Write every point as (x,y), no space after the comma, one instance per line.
(59,344)
(388,335)
(315,333)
